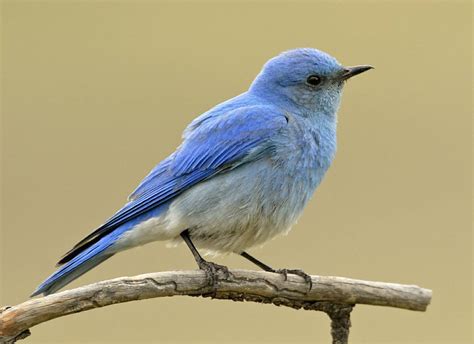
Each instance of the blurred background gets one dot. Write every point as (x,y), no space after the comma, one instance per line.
(94,94)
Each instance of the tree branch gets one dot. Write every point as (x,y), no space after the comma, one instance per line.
(335,296)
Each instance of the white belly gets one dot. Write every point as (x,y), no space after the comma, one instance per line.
(244,208)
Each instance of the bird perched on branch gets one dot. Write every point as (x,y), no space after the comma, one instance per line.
(242,175)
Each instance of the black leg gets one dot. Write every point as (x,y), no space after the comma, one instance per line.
(194,251)
(211,268)
(284,272)
(254,260)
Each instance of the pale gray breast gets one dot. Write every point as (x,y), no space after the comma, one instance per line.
(299,167)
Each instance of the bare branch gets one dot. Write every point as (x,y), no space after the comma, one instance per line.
(332,295)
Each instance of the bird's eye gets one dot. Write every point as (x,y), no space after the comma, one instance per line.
(313,80)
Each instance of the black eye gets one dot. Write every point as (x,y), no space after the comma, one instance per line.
(313,80)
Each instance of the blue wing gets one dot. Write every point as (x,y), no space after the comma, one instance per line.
(212,146)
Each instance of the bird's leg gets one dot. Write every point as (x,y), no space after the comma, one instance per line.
(284,272)
(254,260)
(211,269)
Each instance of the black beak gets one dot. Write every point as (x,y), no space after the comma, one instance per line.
(349,72)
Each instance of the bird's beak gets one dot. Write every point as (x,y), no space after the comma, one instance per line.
(349,72)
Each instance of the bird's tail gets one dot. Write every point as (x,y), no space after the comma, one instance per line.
(77,266)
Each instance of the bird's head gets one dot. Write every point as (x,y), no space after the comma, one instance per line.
(307,79)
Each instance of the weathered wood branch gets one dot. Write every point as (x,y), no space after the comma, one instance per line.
(335,296)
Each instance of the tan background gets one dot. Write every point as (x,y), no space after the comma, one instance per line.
(96,93)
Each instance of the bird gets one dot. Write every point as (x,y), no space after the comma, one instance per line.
(242,175)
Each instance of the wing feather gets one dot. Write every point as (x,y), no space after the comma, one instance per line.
(217,145)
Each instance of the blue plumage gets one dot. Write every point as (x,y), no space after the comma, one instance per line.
(268,132)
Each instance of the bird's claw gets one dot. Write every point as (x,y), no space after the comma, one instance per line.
(297,272)
(213,270)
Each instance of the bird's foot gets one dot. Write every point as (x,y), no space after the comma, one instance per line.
(298,272)
(213,271)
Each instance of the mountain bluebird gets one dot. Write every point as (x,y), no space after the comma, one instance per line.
(242,175)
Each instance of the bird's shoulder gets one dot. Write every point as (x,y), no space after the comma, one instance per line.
(242,112)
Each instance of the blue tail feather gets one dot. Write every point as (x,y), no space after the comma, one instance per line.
(80,264)
(88,256)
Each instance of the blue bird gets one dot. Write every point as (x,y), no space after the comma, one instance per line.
(242,175)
